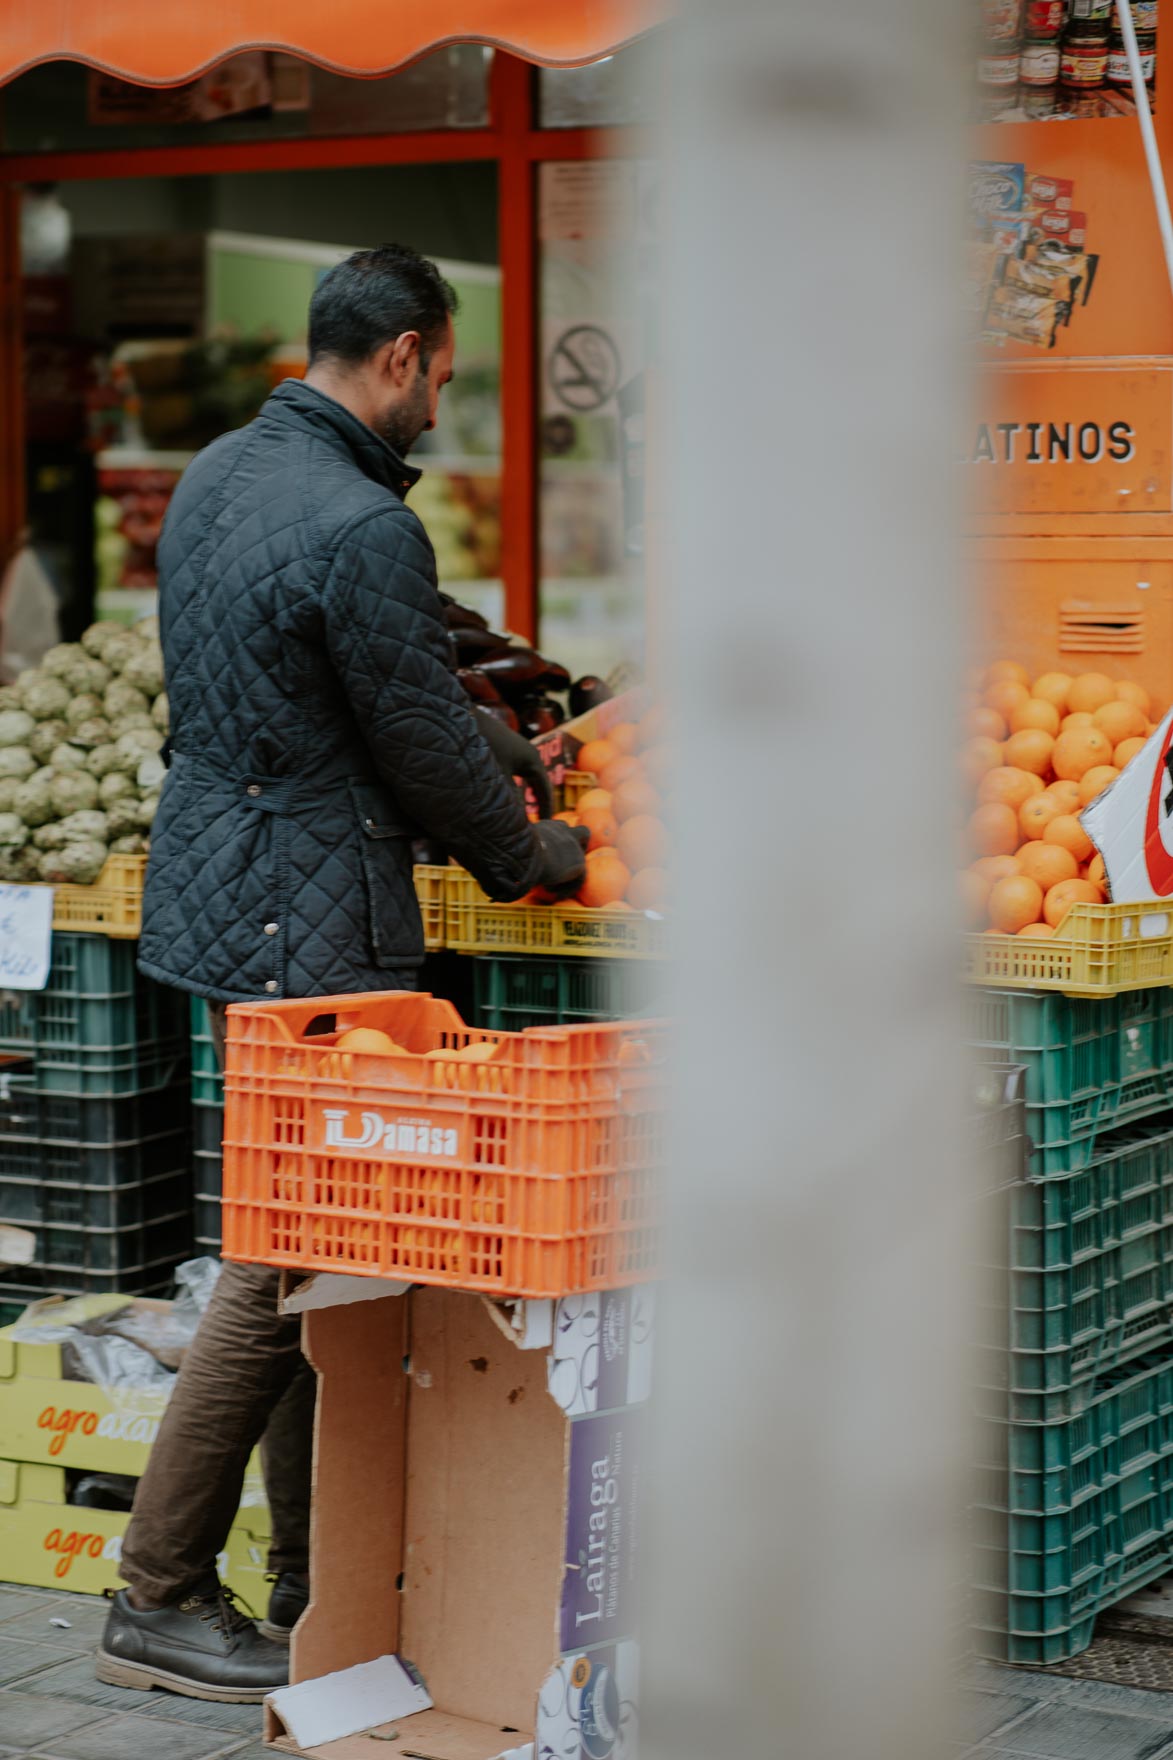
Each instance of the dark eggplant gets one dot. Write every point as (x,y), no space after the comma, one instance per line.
(503,713)
(514,667)
(479,688)
(477,641)
(539,715)
(463,616)
(555,677)
(587,693)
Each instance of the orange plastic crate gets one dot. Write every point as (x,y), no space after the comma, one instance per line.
(533,1171)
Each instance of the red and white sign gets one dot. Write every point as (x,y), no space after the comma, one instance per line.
(1131,823)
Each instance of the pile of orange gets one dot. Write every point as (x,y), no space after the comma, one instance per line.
(627,857)
(1035,754)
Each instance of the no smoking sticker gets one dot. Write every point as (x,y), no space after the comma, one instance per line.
(1131,823)
(584,368)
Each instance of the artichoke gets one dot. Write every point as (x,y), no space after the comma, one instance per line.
(102,760)
(95,638)
(77,864)
(9,697)
(87,676)
(97,731)
(148,627)
(14,833)
(45,698)
(151,774)
(15,727)
(33,800)
(123,699)
(67,756)
(17,761)
(145,669)
(119,647)
(147,808)
(161,713)
(116,786)
(122,818)
(133,845)
(83,708)
(49,836)
(90,823)
(45,738)
(19,866)
(139,743)
(75,792)
(8,788)
(59,659)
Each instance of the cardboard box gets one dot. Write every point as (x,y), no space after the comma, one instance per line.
(559,749)
(49,1543)
(49,1418)
(477,1490)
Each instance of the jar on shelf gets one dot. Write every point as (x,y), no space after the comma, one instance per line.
(1001,20)
(1083,59)
(1144,16)
(1043,18)
(1119,73)
(1040,102)
(1038,65)
(998,67)
(1092,11)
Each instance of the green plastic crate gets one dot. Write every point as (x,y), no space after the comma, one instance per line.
(1092,1066)
(1084,1281)
(99,1028)
(1069,1518)
(526,990)
(207,1078)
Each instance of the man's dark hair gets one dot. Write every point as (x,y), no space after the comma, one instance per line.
(373,297)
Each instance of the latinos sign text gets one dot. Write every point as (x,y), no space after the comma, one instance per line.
(1053,442)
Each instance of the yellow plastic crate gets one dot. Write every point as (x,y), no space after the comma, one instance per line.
(574,784)
(431,893)
(477,925)
(113,905)
(1099,950)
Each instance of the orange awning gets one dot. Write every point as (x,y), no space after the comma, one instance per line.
(164,42)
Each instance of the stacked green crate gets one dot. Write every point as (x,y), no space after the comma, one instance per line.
(95,1148)
(1074,1501)
(207,1104)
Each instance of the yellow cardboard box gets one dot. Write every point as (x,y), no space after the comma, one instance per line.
(50,1544)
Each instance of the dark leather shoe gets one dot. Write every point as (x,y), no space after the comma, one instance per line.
(287,1603)
(202,1646)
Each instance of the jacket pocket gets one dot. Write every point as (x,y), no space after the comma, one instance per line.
(385,852)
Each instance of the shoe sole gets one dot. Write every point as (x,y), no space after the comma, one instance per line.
(117,1673)
(275,1634)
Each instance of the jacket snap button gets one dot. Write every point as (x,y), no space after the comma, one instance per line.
(254,788)
(271,986)
(271,928)
(369,823)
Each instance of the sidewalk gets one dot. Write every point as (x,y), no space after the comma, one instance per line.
(52,1708)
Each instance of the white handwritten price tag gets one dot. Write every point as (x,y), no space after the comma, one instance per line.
(26,936)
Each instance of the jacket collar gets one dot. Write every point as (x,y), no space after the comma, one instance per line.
(301,406)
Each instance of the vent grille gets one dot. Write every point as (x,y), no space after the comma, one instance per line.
(1100,629)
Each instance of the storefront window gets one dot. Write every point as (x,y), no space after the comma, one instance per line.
(597,225)
(256,96)
(611,93)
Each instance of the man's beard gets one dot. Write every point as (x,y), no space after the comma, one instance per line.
(401,427)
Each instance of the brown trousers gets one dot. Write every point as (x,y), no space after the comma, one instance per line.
(243,1381)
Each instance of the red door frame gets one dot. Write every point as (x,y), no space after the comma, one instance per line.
(512,139)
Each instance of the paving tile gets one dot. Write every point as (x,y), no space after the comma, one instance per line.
(999,1677)
(75,1680)
(16,1602)
(19,1658)
(139,1738)
(1135,1701)
(28,1722)
(1068,1731)
(86,1623)
(981,1713)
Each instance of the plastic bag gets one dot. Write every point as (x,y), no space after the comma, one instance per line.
(140,1344)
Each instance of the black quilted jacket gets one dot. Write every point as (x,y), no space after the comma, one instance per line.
(316,723)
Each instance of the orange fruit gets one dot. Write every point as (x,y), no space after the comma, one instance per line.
(979,755)
(1129,692)
(1030,749)
(988,722)
(602,825)
(994,868)
(620,769)
(1127,750)
(643,842)
(649,887)
(1036,931)
(567,818)
(595,756)
(1053,687)
(1079,750)
(1095,781)
(1091,690)
(1082,718)
(1048,864)
(636,795)
(607,879)
(1066,793)
(1120,721)
(594,797)
(993,829)
(623,736)
(1015,903)
(1010,785)
(1007,669)
(1061,898)
(1006,696)
(1035,713)
(1037,813)
(1095,872)
(1067,833)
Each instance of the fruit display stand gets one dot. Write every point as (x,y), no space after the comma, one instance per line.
(475,924)
(1097,950)
(112,905)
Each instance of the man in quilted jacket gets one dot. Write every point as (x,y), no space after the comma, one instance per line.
(317,728)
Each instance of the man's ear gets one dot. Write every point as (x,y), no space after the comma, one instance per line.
(403,354)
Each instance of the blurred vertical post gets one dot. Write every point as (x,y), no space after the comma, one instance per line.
(803,1594)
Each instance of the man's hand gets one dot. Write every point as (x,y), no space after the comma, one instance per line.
(563,856)
(517,757)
